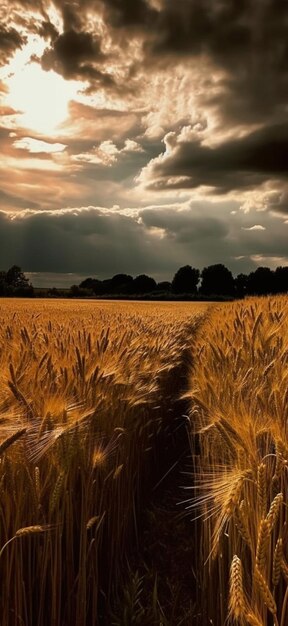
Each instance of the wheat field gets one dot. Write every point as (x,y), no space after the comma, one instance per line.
(85,392)
(238,394)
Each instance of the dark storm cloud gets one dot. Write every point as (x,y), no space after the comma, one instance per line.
(245,40)
(85,241)
(211,233)
(118,13)
(185,226)
(130,13)
(241,163)
(278,202)
(73,54)
(103,242)
(248,40)
(47,30)
(71,49)
(10,41)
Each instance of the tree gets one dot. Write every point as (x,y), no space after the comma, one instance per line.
(217,280)
(281,280)
(164,286)
(76,291)
(144,284)
(186,280)
(15,283)
(3,284)
(261,282)
(241,282)
(88,283)
(121,283)
(16,278)
(94,285)
(98,287)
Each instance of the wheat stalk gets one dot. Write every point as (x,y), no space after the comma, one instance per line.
(253,620)
(26,530)
(262,488)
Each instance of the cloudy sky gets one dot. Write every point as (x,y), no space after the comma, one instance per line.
(142,135)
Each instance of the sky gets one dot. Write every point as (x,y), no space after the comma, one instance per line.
(138,136)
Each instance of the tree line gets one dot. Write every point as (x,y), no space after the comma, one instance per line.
(188,282)
(214,280)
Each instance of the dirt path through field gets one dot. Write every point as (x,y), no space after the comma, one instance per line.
(161,582)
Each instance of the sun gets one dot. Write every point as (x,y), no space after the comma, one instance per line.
(40,98)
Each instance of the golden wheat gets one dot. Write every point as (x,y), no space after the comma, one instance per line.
(85,390)
(237,603)
(239,412)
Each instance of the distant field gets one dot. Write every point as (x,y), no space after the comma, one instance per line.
(85,393)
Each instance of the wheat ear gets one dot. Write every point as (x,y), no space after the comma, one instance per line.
(274,510)
(265,591)
(237,605)
(262,541)
(26,530)
(8,442)
(277,559)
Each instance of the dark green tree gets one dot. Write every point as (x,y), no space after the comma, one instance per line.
(3,284)
(16,283)
(281,280)
(186,280)
(241,282)
(93,285)
(121,283)
(144,284)
(164,285)
(16,278)
(217,280)
(261,282)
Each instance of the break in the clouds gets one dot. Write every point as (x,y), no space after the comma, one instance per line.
(170,117)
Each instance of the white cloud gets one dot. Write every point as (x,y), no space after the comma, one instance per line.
(107,153)
(35,146)
(255,227)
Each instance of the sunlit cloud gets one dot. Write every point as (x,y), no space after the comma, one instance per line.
(255,227)
(107,153)
(36,146)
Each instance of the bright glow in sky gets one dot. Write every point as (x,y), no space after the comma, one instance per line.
(40,98)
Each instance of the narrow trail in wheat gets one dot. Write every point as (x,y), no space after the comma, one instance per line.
(162,568)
